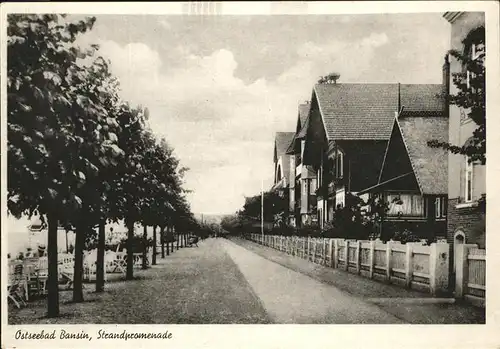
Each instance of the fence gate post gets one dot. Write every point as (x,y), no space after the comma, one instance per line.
(358,257)
(462,269)
(372,258)
(409,264)
(346,254)
(388,259)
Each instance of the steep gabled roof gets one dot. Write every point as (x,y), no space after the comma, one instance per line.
(366,111)
(302,124)
(430,165)
(304,112)
(281,143)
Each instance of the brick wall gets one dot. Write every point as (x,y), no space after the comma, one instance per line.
(470,220)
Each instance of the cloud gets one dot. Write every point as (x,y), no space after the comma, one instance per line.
(221,127)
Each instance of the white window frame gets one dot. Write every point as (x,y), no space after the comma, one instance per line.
(474,55)
(339,165)
(437,205)
(312,187)
(440,203)
(469,171)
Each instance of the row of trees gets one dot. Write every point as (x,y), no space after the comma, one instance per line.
(249,217)
(78,155)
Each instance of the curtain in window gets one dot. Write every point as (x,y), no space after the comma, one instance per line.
(408,205)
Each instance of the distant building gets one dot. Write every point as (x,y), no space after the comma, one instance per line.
(281,183)
(303,183)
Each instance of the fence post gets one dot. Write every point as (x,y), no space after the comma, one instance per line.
(372,258)
(308,246)
(388,259)
(335,254)
(438,267)
(315,250)
(324,251)
(358,257)
(330,250)
(409,264)
(346,254)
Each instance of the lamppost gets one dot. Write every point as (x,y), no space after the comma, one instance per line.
(262,210)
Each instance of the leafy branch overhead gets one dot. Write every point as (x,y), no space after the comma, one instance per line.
(470,96)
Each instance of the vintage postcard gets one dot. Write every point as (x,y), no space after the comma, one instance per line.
(317,165)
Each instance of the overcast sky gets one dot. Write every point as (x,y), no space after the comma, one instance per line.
(219,87)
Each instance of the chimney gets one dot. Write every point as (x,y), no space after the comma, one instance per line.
(446,85)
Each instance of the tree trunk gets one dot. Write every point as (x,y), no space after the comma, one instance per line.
(130,252)
(177,241)
(185,239)
(53,279)
(172,237)
(81,231)
(101,245)
(153,257)
(145,247)
(162,239)
(167,236)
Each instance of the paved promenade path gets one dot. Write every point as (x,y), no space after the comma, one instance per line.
(221,282)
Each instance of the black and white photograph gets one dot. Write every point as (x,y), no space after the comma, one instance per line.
(216,167)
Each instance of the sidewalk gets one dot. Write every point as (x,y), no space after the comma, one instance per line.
(197,285)
(409,305)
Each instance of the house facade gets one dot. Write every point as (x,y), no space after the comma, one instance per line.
(467,181)
(281,183)
(302,197)
(414,177)
(349,131)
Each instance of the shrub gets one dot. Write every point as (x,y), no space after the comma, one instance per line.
(312,230)
(406,236)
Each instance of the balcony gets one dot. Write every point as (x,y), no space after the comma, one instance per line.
(280,184)
(298,170)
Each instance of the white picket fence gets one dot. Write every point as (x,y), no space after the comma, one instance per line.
(470,274)
(412,265)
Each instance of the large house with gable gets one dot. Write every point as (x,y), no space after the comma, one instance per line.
(348,134)
(414,177)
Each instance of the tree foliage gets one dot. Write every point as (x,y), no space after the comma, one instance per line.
(274,205)
(77,153)
(471,96)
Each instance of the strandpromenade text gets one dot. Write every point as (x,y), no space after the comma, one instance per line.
(83,335)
